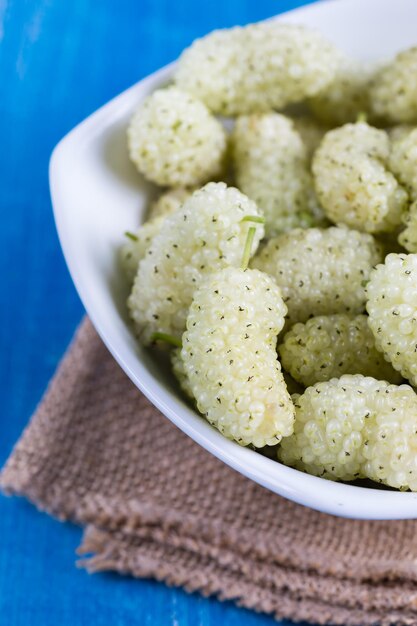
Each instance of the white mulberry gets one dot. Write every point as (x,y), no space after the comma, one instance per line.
(345,97)
(207,233)
(230,358)
(353,182)
(310,131)
(168,202)
(408,237)
(392,309)
(390,439)
(399,132)
(403,161)
(355,427)
(174,140)
(137,245)
(329,346)
(320,271)
(393,92)
(178,370)
(257,68)
(271,167)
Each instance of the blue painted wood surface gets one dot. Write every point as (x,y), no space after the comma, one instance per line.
(59,61)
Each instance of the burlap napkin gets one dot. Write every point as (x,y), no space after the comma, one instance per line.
(156,505)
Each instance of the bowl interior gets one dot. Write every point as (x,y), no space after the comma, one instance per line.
(97,194)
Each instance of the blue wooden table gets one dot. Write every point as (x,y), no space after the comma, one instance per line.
(59,61)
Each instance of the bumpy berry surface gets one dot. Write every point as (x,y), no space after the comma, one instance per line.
(353,182)
(230,359)
(133,251)
(271,166)
(392,309)
(168,202)
(403,161)
(257,68)
(311,132)
(355,427)
(178,370)
(320,271)
(174,140)
(399,131)
(394,91)
(408,237)
(329,346)
(207,233)
(345,97)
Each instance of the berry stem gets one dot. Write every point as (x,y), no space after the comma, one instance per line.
(362,117)
(254,218)
(173,341)
(248,247)
(131,236)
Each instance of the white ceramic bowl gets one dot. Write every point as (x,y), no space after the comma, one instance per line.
(97,194)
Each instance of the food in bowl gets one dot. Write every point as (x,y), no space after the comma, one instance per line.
(294,230)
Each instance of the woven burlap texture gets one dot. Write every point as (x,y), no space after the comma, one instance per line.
(157,505)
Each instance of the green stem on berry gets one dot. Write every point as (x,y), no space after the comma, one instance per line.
(131,236)
(362,117)
(173,341)
(248,247)
(254,218)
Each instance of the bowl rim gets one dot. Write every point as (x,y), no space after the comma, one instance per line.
(339,499)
